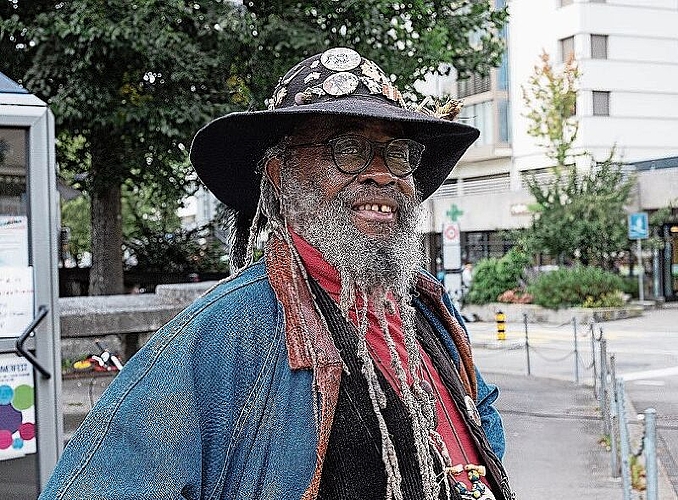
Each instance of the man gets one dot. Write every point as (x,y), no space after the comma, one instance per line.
(332,368)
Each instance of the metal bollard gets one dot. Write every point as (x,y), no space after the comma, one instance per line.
(576,352)
(500,318)
(614,420)
(527,345)
(604,390)
(623,441)
(593,360)
(650,450)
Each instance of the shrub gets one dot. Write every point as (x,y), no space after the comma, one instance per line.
(611,299)
(577,286)
(492,277)
(630,286)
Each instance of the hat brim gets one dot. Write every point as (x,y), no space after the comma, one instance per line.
(226,151)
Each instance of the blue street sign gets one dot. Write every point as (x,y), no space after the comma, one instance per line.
(639,229)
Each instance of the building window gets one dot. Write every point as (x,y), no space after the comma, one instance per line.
(486,184)
(597,1)
(563,3)
(480,116)
(504,120)
(566,49)
(598,46)
(476,245)
(601,103)
(475,84)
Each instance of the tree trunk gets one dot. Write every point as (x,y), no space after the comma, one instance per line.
(106,273)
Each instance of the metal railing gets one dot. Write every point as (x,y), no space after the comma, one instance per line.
(609,391)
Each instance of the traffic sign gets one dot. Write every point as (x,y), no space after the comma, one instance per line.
(639,228)
(451,233)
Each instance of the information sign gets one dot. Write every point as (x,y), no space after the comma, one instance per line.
(639,229)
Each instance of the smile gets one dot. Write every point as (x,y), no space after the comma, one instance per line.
(375,211)
(375,208)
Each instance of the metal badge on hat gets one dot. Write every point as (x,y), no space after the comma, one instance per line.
(340,83)
(344,79)
(340,59)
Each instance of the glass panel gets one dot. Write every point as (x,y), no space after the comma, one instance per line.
(566,48)
(599,46)
(488,112)
(13,172)
(18,461)
(601,103)
(504,121)
(503,73)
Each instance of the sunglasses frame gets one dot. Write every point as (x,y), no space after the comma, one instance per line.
(374,146)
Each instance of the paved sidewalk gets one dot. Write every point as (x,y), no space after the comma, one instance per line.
(553,429)
(552,433)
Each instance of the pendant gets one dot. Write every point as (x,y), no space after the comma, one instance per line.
(478,490)
(472,411)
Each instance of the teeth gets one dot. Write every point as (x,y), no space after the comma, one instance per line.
(376,208)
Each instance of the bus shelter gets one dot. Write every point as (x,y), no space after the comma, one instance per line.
(31,428)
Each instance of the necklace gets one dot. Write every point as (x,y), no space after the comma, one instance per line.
(478,490)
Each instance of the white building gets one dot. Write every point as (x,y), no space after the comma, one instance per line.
(627,52)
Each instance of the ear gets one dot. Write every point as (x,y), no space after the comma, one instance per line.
(272,169)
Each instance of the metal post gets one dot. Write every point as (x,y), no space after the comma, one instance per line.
(650,450)
(623,441)
(576,352)
(641,272)
(614,421)
(527,345)
(593,358)
(604,391)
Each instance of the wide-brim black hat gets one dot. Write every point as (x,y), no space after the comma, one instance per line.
(338,82)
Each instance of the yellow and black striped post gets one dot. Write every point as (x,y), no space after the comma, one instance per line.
(500,318)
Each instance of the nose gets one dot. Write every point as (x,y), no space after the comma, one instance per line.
(377,172)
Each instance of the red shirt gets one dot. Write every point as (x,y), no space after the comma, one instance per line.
(449,418)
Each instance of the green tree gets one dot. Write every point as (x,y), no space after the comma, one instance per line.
(580,216)
(407,40)
(132,82)
(550,97)
(75,215)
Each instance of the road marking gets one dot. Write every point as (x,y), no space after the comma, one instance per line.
(650,374)
(654,383)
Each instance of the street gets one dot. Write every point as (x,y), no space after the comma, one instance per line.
(645,351)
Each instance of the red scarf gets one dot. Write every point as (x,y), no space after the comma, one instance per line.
(328,278)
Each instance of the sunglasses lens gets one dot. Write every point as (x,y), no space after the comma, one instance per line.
(351,153)
(403,156)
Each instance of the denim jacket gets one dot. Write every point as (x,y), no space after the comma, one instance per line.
(216,406)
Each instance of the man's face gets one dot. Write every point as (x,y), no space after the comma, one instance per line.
(373,197)
(364,224)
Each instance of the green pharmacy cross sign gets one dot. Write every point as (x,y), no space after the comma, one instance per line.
(454,213)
